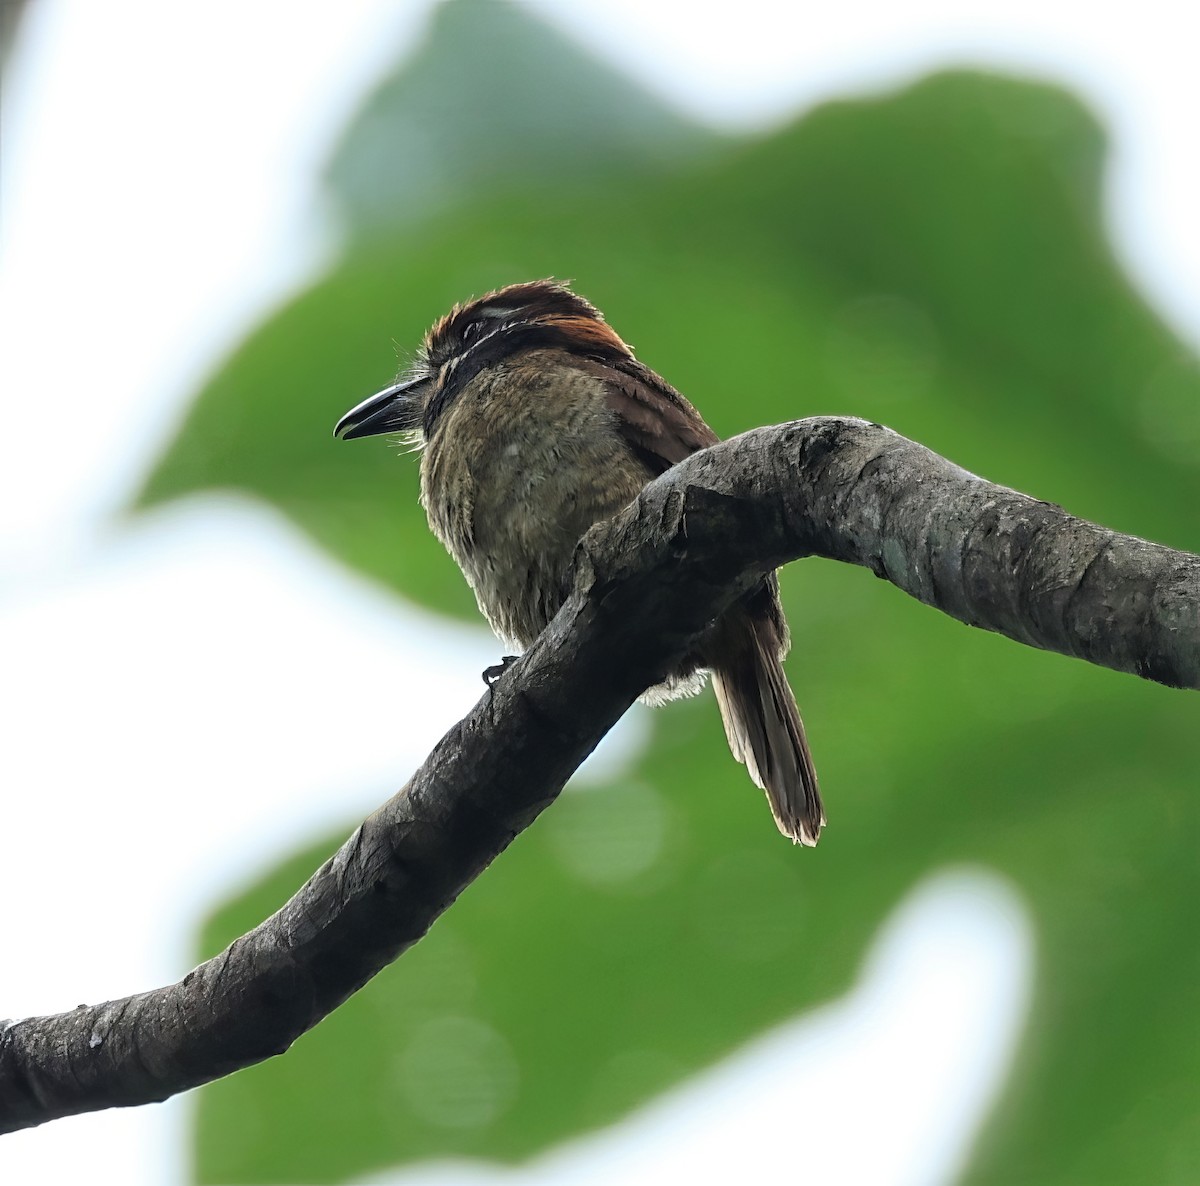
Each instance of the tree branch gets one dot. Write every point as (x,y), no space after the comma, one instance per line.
(647,582)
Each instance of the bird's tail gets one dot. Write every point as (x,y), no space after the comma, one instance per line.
(762,722)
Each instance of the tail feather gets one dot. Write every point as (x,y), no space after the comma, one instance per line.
(762,723)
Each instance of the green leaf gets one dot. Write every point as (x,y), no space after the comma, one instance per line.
(496,100)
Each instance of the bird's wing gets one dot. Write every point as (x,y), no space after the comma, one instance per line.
(657,422)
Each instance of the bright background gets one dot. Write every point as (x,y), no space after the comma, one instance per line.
(200,698)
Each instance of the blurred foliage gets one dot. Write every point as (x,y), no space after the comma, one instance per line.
(473,110)
(934,259)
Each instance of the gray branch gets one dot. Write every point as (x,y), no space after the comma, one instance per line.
(647,582)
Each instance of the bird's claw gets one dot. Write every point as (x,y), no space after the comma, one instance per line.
(493,673)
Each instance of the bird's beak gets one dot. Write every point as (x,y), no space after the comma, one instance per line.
(394,409)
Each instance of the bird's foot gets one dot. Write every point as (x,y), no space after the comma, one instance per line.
(493,673)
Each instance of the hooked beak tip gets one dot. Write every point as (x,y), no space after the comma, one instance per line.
(348,429)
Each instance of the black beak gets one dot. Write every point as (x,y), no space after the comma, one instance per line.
(394,409)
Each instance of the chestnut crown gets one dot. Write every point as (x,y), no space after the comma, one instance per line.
(476,335)
(544,303)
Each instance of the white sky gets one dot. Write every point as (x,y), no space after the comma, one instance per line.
(155,199)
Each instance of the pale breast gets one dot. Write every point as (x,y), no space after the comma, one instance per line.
(524,461)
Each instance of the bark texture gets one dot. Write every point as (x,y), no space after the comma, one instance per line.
(647,582)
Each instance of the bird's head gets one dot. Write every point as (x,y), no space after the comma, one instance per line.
(473,337)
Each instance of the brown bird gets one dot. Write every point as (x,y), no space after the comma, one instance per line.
(537,421)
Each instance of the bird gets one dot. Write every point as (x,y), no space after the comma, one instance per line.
(534,421)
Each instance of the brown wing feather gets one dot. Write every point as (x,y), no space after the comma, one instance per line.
(659,424)
(745,650)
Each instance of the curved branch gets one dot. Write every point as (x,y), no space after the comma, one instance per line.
(647,582)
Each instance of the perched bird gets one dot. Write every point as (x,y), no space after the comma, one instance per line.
(537,421)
